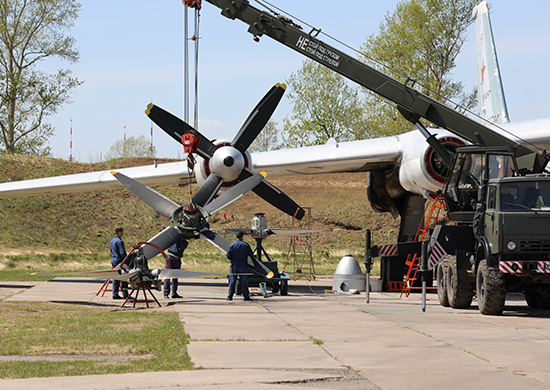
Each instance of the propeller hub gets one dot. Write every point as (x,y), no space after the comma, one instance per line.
(228,163)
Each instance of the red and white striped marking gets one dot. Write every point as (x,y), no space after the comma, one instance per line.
(543,267)
(387,250)
(510,267)
(437,254)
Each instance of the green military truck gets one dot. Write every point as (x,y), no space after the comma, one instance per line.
(506,244)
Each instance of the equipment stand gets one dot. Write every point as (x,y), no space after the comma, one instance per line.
(104,288)
(141,286)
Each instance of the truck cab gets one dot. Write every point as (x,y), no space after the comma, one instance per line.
(509,215)
(518,218)
(472,168)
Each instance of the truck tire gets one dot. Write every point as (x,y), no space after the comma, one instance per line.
(275,287)
(532,300)
(460,290)
(538,298)
(441,275)
(544,300)
(491,290)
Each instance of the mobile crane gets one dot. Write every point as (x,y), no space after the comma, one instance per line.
(496,192)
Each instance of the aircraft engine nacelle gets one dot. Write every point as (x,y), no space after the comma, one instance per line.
(227,162)
(422,171)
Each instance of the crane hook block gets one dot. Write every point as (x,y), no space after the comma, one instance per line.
(192,4)
(190,141)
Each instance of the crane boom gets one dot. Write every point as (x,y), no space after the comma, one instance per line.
(411,103)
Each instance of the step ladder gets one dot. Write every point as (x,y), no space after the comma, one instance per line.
(300,251)
(433,210)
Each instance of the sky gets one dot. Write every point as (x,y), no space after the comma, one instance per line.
(131,54)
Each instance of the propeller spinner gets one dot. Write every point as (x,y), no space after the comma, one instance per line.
(226,163)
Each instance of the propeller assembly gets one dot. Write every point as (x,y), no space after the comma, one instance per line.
(189,221)
(225,163)
(259,229)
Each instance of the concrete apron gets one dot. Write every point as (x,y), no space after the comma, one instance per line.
(390,341)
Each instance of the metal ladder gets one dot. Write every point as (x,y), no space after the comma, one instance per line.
(413,261)
(300,250)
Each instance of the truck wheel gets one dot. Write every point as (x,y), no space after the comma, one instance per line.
(491,290)
(544,301)
(532,300)
(275,287)
(538,299)
(460,291)
(284,287)
(441,275)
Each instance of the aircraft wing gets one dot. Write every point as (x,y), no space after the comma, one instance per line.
(161,174)
(333,157)
(356,156)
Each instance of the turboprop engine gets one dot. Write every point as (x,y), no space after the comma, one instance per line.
(419,170)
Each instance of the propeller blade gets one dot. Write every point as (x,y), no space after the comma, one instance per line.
(277,198)
(100,274)
(234,193)
(258,118)
(175,127)
(207,190)
(126,276)
(158,202)
(216,240)
(163,240)
(275,231)
(181,273)
(221,243)
(232,232)
(296,232)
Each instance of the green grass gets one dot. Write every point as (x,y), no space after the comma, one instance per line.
(28,328)
(200,256)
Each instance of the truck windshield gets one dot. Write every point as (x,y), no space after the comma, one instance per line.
(525,195)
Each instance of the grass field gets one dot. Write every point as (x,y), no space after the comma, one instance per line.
(93,340)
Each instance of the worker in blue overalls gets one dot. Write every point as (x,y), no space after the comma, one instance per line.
(174,254)
(118,254)
(238,253)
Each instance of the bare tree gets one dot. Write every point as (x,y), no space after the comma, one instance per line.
(30,32)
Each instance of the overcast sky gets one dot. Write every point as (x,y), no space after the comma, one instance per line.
(132,54)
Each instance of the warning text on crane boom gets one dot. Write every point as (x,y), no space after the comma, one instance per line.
(320,52)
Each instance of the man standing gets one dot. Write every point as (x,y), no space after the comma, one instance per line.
(175,252)
(238,253)
(118,254)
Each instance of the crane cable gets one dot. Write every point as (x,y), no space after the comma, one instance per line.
(191,4)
